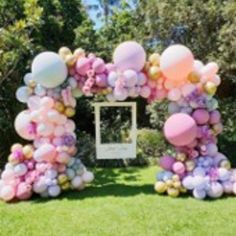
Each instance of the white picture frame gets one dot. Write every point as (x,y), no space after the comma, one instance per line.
(116,150)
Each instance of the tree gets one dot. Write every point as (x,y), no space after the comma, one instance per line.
(27,28)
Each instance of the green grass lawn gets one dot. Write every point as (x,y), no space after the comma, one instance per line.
(120,202)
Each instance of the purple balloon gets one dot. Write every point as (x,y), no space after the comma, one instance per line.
(201,116)
(215,117)
(166,162)
(129,55)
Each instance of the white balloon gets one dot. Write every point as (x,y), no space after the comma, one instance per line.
(87,177)
(20,169)
(40,91)
(27,78)
(112,78)
(49,69)
(40,186)
(23,93)
(77,182)
(54,190)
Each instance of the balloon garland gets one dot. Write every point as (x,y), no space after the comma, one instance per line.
(48,165)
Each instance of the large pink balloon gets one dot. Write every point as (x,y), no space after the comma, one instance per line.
(176,62)
(129,55)
(24,126)
(180,129)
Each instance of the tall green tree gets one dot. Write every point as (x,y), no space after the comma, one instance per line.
(27,28)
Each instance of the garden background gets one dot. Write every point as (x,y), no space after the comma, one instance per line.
(27,27)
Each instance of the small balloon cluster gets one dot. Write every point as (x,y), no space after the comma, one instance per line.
(48,165)
(192,128)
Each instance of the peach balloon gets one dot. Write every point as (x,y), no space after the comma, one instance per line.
(24,126)
(176,62)
(180,129)
(46,152)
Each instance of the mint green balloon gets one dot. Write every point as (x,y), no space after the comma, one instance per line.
(49,70)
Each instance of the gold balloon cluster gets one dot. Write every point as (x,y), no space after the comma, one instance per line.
(64,181)
(152,67)
(70,58)
(172,187)
(27,152)
(66,110)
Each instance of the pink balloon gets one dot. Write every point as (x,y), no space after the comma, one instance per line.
(176,62)
(70,126)
(45,129)
(33,102)
(47,103)
(101,80)
(180,129)
(59,131)
(210,70)
(46,152)
(130,78)
(201,116)
(145,91)
(166,162)
(188,89)
(24,191)
(129,55)
(24,126)
(174,94)
(82,65)
(120,94)
(99,66)
(53,116)
(63,158)
(178,167)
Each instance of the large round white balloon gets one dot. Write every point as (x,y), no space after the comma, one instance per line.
(49,70)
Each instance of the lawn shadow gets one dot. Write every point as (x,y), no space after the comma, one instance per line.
(108,182)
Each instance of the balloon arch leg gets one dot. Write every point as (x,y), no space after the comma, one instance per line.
(47,165)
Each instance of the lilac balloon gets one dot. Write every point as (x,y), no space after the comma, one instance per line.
(130,78)
(129,55)
(218,158)
(142,79)
(201,116)
(199,193)
(120,94)
(224,174)
(199,171)
(112,78)
(227,187)
(166,162)
(211,149)
(199,182)
(188,182)
(215,117)
(215,190)
(173,107)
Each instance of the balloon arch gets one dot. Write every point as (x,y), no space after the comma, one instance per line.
(47,166)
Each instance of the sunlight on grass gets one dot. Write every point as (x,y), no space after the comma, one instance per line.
(119,202)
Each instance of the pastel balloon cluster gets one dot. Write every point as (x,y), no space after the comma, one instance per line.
(48,165)
(192,128)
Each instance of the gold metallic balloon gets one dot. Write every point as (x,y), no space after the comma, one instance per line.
(210,88)
(160,187)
